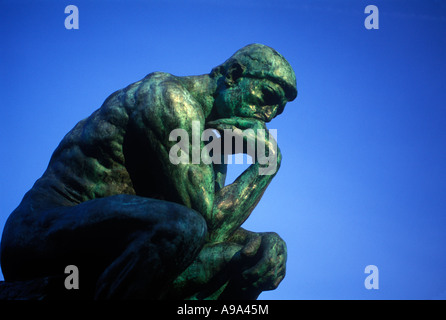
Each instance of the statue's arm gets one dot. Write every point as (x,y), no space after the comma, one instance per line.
(234,203)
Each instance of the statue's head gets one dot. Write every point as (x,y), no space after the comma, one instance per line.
(256,82)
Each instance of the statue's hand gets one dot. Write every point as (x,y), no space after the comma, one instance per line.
(250,137)
(231,270)
(236,123)
(269,269)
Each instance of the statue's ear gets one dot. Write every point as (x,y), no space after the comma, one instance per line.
(235,71)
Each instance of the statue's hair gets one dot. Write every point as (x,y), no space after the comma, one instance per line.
(261,62)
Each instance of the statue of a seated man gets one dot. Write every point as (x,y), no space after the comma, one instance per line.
(138,226)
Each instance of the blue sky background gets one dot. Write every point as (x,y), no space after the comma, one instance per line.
(363,177)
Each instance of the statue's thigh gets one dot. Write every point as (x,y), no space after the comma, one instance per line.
(93,234)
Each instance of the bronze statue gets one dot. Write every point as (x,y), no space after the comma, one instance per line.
(138,226)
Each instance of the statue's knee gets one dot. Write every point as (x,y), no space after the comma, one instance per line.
(188,224)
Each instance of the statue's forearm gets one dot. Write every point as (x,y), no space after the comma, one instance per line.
(234,203)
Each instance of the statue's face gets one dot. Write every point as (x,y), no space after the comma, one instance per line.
(250,98)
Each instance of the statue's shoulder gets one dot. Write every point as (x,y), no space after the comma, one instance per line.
(161,95)
(163,85)
(159,79)
(155,90)
(160,76)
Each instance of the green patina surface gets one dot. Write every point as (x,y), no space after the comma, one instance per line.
(139,226)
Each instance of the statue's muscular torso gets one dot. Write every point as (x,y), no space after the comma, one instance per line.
(123,148)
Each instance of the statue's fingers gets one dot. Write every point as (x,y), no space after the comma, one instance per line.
(237,122)
(258,270)
(271,279)
(251,248)
(277,281)
(268,281)
(269,263)
(221,122)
